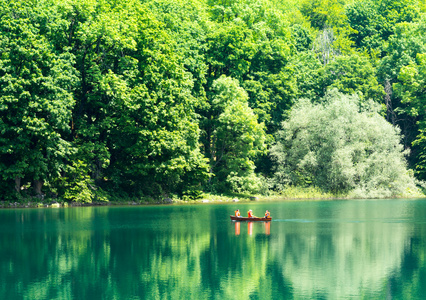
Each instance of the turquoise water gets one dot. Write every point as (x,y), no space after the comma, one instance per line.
(373,249)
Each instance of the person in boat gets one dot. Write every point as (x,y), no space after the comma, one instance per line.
(250,214)
(237,213)
(267,214)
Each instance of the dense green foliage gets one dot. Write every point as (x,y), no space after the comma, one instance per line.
(342,146)
(163,98)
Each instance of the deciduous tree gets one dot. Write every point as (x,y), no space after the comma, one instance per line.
(36,100)
(233,138)
(343,147)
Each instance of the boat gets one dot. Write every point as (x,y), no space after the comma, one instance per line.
(235,218)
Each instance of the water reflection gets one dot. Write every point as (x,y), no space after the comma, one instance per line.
(266,227)
(349,249)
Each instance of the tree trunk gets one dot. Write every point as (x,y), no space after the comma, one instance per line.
(17,184)
(38,184)
(391,115)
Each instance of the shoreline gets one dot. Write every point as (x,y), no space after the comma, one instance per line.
(210,199)
(213,200)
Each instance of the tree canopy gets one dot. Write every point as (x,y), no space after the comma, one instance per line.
(340,145)
(161,98)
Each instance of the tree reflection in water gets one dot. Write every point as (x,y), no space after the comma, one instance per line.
(333,250)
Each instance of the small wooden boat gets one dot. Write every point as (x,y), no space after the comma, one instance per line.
(234,218)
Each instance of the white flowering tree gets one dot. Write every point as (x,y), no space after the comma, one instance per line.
(341,147)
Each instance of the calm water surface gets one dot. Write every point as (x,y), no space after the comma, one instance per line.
(311,250)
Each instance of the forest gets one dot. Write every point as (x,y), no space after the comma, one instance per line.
(154,99)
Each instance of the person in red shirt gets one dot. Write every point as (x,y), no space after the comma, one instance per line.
(250,214)
(267,214)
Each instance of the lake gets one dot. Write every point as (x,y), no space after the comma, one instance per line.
(357,249)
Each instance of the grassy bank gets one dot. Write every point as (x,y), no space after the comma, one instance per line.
(291,193)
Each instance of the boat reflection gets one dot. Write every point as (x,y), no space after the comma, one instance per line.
(267,228)
(266,225)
